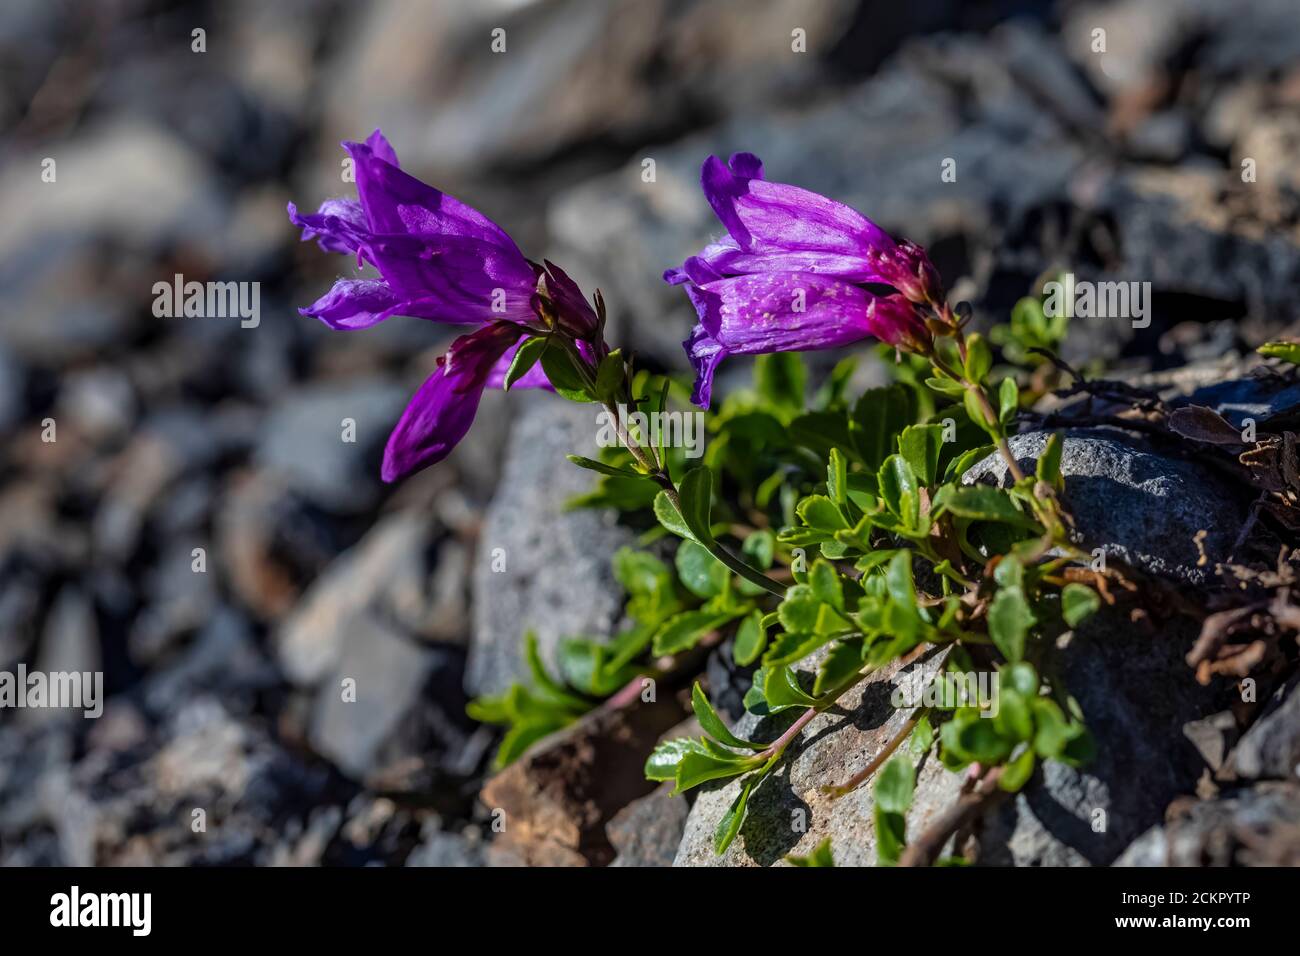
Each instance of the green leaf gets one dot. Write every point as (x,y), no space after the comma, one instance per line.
(898,580)
(820,432)
(837,477)
(1008,400)
(1013,719)
(670,517)
(818,511)
(702,574)
(982,503)
(898,488)
(1286,351)
(610,377)
(560,371)
(825,584)
(1078,602)
(1048,468)
(697,767)
(522,736)
(922,738)
(1017,772)
(682,631)
(878,416)
(945,386)
(891,836)
(979,357)
(750,639)
(791,646)
(663,760)
(780,378)
(1009,621)
(615,470)
(640,572)
(696,493)
(712,723)
(781,689)
(544,682)
(894,785)
(1050,730)
(731,821)
(920,445)
(820,856)
(760,548)
(843,661)
(525,358)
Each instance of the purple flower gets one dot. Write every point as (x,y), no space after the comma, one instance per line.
(792,273)
(441,260)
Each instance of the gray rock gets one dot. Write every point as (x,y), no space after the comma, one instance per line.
(13,383)
(1271,747)
(1136,505)
(351,724)
(557,578)
(399,573)
(648,831)
(570,72)
(442,848)
(1254,826)
(789,813)
(303,442)
(1130,697)
(1258,397)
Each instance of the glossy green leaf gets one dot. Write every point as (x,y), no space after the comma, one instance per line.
(670,517)
(732,820)
(699,571)
(1010,619)
(713,724)
(1078,602)
(525,358)
(696,493)
(920,446)
(750,639)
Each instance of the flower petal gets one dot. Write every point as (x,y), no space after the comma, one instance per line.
(396,203)
(705,355)
(442,410)
(456,278)
(775,217)
(338,226)
(355,304)
(782,312)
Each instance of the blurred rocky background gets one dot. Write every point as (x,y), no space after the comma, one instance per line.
(200,532)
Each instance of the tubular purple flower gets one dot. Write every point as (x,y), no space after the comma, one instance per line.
(441,260)
(792,273)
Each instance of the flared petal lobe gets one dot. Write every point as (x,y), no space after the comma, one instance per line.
(442,410)
(766,217)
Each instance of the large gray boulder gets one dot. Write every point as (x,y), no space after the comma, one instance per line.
(1132,688)
(1136,505)
(540,565)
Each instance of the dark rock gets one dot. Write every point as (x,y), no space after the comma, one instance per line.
(442,848)
(1136,505)
(401,572)
(303,442)
(647,831)
(1271,747)
(1254,826)
(387,672)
